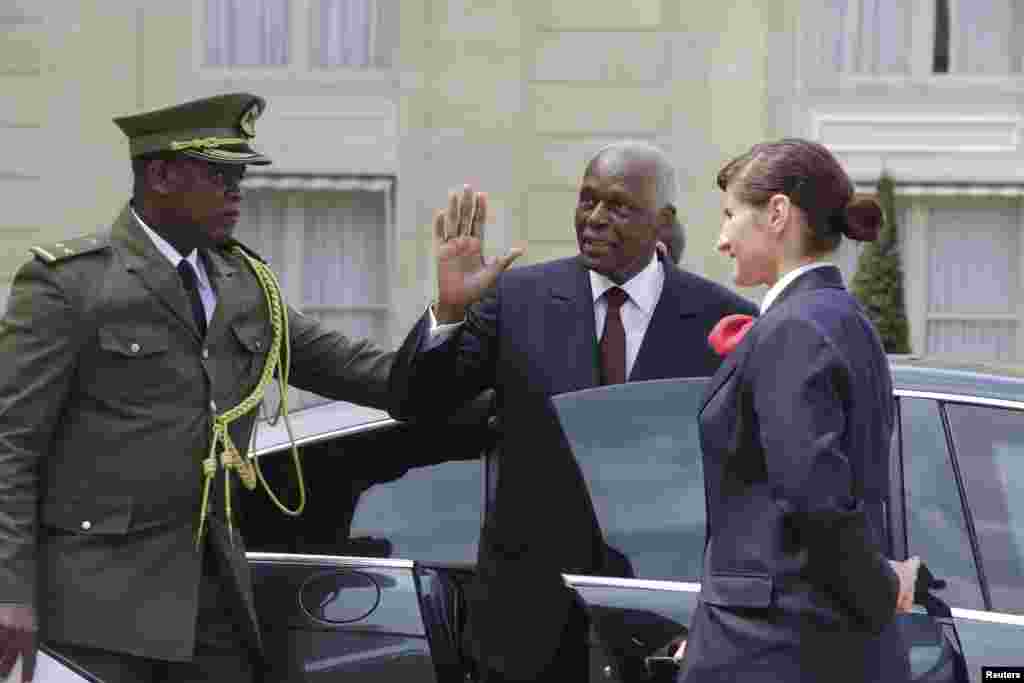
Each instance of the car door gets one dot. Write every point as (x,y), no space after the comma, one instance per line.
(975,470)
(638,447)
(366,584)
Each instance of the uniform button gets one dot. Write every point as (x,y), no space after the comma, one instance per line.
(259,345)
(86,525)
(206,353)
(136,348)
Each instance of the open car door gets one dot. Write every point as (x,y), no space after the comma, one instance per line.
(367,584)
(638,449)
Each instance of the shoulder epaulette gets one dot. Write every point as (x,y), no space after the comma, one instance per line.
(235,243)
(63,250)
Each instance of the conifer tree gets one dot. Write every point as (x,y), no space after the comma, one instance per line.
(878,283)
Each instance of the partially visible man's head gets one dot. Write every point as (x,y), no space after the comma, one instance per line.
(188,161)
(672,236)
(627,195)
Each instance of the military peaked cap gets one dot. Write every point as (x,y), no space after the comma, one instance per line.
(218,129)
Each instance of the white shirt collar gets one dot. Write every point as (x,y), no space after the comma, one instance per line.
(786,280)
(642,288)
(172,255)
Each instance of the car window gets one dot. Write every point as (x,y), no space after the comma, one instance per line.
(429,514)
(990,449)
(936,529)
(638,448)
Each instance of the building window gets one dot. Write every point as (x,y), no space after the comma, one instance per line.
(246,33)
(354,34)
(870,37)
(985,37)
(973,281)
(919,37)
(329,242)
(962,273)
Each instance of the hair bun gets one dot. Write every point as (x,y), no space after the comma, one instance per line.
(863,218)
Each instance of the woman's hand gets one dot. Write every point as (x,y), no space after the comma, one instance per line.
(906,571)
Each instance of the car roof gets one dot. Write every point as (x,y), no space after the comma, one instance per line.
(910,373)
(1000,381)
(318,423)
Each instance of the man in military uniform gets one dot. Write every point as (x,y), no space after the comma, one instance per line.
(121,355)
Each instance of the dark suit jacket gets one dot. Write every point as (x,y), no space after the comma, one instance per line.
(796,430)
(106,400)
(533,338)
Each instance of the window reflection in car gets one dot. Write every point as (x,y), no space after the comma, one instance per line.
(936,526)
(989,444)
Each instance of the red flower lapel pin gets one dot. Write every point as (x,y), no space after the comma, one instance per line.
(728,332)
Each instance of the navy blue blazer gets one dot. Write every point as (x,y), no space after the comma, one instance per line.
(795,430)
(535,337)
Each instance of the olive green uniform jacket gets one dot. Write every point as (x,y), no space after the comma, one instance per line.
(107,395)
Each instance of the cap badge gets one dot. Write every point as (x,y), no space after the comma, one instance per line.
(248,121)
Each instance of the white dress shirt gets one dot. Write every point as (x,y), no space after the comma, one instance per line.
(786,280)
(206,292)
(643,290)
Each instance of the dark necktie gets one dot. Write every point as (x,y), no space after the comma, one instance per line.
(188,279)
(613,340)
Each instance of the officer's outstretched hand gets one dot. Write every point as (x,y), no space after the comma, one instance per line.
(462,273)
(18,628)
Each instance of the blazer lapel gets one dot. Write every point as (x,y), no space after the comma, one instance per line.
(570,325)
(725,371)
(154,270)
(661,341)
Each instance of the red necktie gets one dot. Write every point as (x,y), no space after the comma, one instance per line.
(613,340)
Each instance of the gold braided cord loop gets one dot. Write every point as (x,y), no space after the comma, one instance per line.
(206,143)
(222,447)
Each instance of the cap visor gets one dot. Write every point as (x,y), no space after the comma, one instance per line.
(220,155)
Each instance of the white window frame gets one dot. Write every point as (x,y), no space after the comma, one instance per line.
(915,263)
(305,184)
(296,186)
(921,47)
(302,41)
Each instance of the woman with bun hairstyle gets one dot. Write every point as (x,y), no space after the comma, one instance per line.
(795,430)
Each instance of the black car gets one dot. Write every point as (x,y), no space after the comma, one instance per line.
(368,584)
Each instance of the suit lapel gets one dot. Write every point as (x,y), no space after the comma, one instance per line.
(725,371)
(667,326)
(570,325)
(154,270)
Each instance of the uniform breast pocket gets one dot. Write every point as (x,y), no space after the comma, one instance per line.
(254,340)
(135,360)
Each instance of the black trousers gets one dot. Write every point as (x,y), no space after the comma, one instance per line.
(571,661)
(224,652)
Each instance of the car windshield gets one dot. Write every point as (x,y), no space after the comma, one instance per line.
(638,447)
